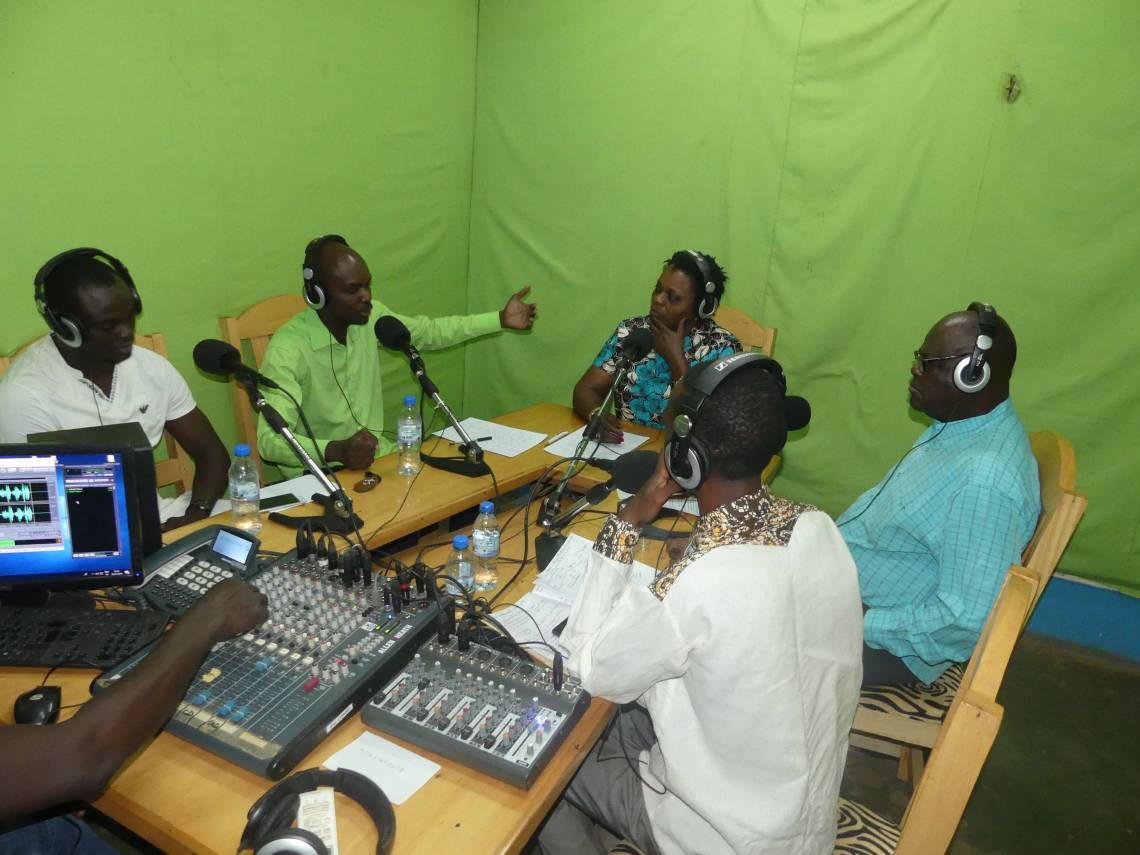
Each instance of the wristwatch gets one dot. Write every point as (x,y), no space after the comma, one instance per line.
(203,505)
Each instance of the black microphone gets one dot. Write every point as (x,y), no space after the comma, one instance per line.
(392,333)
(220,357)
(797,412)
(635,345)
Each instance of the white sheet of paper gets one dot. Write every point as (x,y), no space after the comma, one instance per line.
(303,487)
(606,451)
(547,612)
(397,771)
(504,441)
(564,574)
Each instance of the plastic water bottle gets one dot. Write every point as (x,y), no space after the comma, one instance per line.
(408,433)
(245,490)
(459,565)
(485,545)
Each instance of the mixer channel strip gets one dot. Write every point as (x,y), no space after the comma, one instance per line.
(492,711)
(266,699)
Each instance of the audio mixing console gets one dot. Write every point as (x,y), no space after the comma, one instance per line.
(266,699)
(493,711)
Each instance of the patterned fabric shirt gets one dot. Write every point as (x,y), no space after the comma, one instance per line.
(643,393)
(934,545)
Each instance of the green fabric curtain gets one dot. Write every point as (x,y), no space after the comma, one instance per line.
(858,170)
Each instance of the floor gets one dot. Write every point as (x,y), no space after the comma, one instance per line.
(1064,775)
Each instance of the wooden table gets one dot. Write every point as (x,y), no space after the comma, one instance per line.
(183,799)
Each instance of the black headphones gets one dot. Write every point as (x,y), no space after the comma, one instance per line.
(311,288)
(268,831)
(67,328)
(685,456)
(707,305)
(973,372)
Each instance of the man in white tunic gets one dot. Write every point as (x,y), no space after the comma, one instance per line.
(739,665)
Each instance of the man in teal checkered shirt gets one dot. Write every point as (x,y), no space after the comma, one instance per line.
(933,540)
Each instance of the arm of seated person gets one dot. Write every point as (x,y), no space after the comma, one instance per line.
(51,765)
(194,433)
(971,572)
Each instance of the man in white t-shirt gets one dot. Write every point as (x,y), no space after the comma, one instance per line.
(739,665)
(88,372)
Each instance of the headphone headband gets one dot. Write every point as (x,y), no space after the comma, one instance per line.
(311,288)
(68,329)
(708,302)
(271,813)
(972,373)
(685,457)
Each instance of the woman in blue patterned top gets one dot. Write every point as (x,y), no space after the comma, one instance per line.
(684,335)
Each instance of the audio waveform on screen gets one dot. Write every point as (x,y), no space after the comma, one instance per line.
(16,513)
(15,492)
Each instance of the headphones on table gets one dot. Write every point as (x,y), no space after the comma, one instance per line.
(268,830)
(972,373)
(708,303)
(311,288)
(686,458)
(69,329)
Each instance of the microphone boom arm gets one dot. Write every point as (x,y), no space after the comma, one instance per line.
(342,505)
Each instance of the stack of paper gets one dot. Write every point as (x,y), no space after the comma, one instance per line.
(554,591)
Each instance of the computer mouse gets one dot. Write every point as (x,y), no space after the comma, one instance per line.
(39,706)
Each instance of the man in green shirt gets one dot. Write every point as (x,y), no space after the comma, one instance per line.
(329,360)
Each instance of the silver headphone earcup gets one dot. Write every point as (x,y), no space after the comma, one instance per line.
(692,477)
(314,295)
(67,332)
(708,308)
(964,385)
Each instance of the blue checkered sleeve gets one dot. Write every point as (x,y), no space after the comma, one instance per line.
(980,538)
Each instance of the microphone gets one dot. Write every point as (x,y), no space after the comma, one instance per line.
(797,412)
(635,345)
(394,335)
(547,544)
(220,357)
(631,349)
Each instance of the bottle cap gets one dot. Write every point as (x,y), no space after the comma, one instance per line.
(486,507)
(459,541)
(409,400)
(241,450)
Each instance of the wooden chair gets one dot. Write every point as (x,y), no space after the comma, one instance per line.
(176,470)
(905,720)
(256,325)
(962,745)
(751,334)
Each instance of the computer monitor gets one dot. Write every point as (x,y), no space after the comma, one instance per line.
(66,517)
(127,435)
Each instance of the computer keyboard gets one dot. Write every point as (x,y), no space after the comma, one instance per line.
(74,638)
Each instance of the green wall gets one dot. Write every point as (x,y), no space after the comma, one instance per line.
(206,143)
(852,163)
(857,170)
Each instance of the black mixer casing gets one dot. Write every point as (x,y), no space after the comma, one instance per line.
(266,699)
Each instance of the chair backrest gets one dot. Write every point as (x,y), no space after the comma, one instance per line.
(971,725)
(750,333)
(1061,506)
(256,325)
(176,469)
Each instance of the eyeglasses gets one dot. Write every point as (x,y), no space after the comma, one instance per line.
(922,361)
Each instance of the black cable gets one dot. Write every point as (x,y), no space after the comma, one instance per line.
(896,468)
(415,478)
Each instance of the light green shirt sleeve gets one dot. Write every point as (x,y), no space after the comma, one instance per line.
(438,333)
